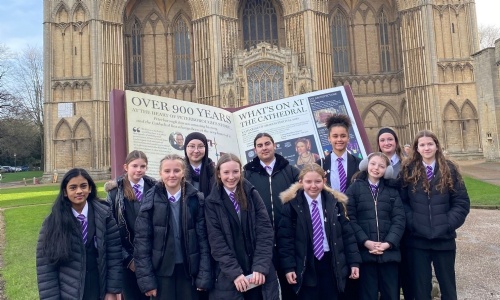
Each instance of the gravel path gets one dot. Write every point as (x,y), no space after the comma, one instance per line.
(478,256)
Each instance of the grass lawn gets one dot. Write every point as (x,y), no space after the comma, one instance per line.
(18,176)
(482,193)
(26,207)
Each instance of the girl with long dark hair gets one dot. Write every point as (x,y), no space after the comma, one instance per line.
(79,252)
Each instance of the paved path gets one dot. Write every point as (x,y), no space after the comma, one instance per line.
(481,169)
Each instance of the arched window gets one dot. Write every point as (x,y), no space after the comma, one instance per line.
(260,23)
(265,82)
(182,50)
(340,43)
(136,53)
(385,53)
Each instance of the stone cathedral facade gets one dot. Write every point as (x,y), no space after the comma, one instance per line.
(408,62)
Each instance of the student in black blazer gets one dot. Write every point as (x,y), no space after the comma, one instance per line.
(338,135)
(124,196)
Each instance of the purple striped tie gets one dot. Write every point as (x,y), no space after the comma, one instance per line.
(373,188)
(342,175)
(269,170)
(137,191)
(429,173)
(84,225)
(172,199)
(197,171)
(317,231)
(235,203)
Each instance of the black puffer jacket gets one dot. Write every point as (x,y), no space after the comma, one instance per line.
(295,235)
(382,221)
(432,219)
(116,200)
(151,232)
(220,236)
(270,186)
(67,280)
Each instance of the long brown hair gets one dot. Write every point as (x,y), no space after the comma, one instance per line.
(240,193)
(414,171)
(128,192)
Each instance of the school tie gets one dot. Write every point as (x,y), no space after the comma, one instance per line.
(342,175)
(197,171)
(269,170)
(137,191)
(317,231)
(429,173)
(373,188)
(84,225)
(171,199)
(235,203)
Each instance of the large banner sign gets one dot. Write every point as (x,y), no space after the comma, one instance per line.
(158,126)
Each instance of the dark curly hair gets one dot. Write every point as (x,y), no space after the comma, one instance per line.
(336,120)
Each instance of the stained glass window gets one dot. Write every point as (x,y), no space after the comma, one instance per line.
(260,23)
(340,43)
(182,50)
(265,82)
(385,54)
(136,53)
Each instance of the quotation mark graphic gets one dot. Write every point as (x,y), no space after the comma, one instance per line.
(136,129)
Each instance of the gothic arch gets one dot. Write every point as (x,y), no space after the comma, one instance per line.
(62,144)
(75,15)
(375,117)
(82,144)
(279,23)
(61,11)
(452,127)
(470,127)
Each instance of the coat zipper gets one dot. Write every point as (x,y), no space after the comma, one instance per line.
(375,200)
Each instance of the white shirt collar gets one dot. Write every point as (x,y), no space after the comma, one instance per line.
(229,191)
(394,159)
(433,164)
(271,164)
(85,211)
(140,183)
(309,199)
(198,166)
(177,195)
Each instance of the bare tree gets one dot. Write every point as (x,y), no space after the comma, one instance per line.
(27,85)
(488,34)
(5,96)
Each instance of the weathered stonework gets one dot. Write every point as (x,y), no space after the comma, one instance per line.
(408,62)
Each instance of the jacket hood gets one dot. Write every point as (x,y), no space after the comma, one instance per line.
(255,165)
(291,193)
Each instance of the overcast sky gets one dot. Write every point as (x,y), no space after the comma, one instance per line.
(21,21)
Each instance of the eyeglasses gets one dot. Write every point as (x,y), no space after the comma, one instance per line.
(193,147)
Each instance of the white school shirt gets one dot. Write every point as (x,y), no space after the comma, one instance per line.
(141,186)
(334,170)
(271,165)
(326,247)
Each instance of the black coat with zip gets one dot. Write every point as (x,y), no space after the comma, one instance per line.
(295,236)
(433,218)
(227,268)
(380,218)
(116,200)
(151,231)
(270,186)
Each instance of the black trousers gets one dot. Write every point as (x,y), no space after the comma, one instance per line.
(444,267)
(405,271)
(351,290)
(326,284)
(131,289)
(176,287)
(378,277)
(286,289)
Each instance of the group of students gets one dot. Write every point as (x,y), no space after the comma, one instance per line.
(340,228)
